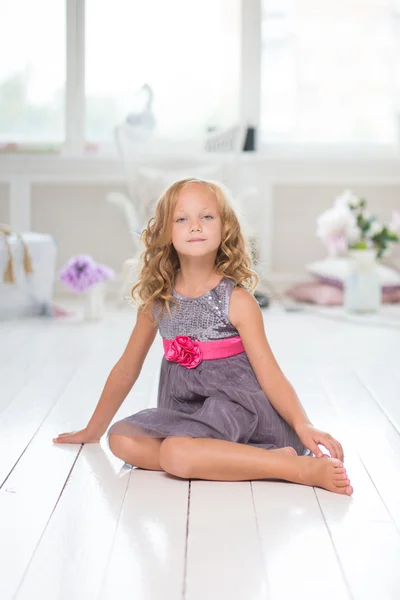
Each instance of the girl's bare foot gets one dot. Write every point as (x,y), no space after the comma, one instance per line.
(328,473)
(286,450)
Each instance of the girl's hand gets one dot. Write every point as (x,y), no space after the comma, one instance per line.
(77,437)
(311,437)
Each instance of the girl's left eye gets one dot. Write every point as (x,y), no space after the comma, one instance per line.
(206,216)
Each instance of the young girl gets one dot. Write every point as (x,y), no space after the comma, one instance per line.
(225,409)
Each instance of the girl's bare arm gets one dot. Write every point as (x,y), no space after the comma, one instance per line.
(245,315)
(119,382)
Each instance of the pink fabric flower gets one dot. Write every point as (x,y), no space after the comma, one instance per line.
(185,352)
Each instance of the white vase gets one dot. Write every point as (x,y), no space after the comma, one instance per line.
(362,290)
(94,308)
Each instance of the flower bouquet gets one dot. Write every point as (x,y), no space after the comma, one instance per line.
(349,226)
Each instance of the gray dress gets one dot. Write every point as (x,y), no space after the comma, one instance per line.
(220,398)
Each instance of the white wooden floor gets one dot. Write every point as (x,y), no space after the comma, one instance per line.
(77,524)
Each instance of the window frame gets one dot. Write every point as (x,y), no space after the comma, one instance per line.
(76,146)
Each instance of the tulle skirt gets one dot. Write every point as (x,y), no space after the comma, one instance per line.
(219,399)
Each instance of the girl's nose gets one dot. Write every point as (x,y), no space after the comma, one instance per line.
(195,227)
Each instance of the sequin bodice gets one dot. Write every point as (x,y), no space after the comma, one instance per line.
(203,319)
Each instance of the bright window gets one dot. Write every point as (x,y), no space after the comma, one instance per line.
(32,70)
(187,52)
(330,71)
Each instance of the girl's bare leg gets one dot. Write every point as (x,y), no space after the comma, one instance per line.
(144,452)
(140,451)
(220,460)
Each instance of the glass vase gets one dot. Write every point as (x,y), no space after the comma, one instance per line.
(362,290)
(94,308)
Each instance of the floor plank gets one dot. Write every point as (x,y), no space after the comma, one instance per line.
(224,557)
(73,553)
(371,555)
(383,384)
(148,553)
(293,532)
(25,352)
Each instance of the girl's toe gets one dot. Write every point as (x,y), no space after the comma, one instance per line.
(342,483)
(341,476)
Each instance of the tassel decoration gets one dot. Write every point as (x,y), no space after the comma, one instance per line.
(9,273)
(28,267)
(9,276)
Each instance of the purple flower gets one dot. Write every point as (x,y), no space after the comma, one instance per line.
(81,272)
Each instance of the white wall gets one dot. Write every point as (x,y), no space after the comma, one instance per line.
(4,203)
(81,221)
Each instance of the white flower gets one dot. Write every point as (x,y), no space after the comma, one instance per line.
(346,198)
(335,221)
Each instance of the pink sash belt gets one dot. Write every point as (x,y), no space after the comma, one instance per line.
(189,353)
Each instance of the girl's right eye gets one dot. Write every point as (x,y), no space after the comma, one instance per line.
(180,219)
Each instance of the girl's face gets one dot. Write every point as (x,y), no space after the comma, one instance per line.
(196,222)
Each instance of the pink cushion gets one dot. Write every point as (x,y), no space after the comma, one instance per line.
(329,295)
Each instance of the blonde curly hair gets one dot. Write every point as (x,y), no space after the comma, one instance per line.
(160,261)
